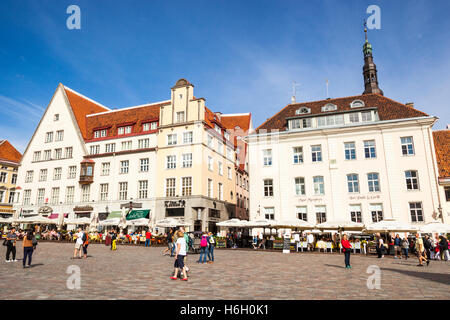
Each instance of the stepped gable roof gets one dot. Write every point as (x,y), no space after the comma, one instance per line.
(388,109)
(81,107)
(128,116)
(442,147)
(8,152)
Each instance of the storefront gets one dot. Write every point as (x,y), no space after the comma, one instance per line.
(83,211)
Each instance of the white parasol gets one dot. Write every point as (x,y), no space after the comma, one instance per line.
(345,225)
(435,227)
(171,223)
(294,224)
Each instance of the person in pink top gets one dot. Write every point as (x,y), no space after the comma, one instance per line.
(347,248)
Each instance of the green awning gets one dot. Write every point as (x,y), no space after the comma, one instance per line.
(115,214)
(138,214)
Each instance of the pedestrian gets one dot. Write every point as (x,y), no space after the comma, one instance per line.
(405,247)
(180,253)
(443,248)
(113,240)
(211,245)
(11,239)
(169,244)
(203,248)
(174,241)
(85,244)
(420,251)
(78,244)
(148,238)
(380,247)
(188,240)
(310,241)
(428,245)
(397,248)
(347,248)
(29,245)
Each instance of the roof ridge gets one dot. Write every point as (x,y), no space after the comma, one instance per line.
(128,108)
(84,97)
(236,114)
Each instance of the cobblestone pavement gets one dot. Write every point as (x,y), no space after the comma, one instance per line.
(143,273)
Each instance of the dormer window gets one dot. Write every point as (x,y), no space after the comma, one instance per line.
(226,135)
(357,104)
(124,130)
(217,128)
(100,133)
(303,110)
(329,107)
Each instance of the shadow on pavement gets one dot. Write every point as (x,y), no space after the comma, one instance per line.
(333,265)
(36,265)
(436,277)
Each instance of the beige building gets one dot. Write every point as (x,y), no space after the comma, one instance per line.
(9,162)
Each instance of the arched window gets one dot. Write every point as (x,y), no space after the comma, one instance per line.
(329,107)
(357,104)
(303,110)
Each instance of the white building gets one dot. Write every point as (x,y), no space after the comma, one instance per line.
(362,158)
(442,146)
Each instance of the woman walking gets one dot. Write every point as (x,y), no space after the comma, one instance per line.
(380,247)
(29,244)
(180,253)
(405,247)
(443,248)
(85,244)
(347,248)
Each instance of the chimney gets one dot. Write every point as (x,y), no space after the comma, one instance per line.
(448,127)
(410,104)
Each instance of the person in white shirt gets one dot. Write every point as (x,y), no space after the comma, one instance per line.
(78,244)
(310,241)
(180,253)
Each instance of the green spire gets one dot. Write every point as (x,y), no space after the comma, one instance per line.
(367,48)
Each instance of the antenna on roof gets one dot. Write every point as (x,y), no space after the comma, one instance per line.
(294,91)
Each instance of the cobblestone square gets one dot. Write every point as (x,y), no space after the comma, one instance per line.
(136,272)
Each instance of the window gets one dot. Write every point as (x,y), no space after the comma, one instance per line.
(143,143)
(58,153)
(26,197)
(298,155)
(186,186)
(210,163)
(301,213)
(125,130)
(146,126)
(3,177)
(267,157)
(217,128)
(124,166)
(350,151)
(47,154)
(37,156)
(412,180)
(29,176)
(43,175)
(187,137)
(366,116)
(143,189)
(415,208)
(300,186)
(377,212)
(220,168)
(187,160)
(153,125)
(40,196)
(121,130)
(354,117)
(230,154)
(306,123)
(180,116)
(49,137)
(230,173)
(144,165)
(369,149)
(123,190)
(110,147)
(70,192)
(220,147)
(104,191)
(355,213)
(210,188)
(68,152)
(127,145)
(57,173)
(447,194)
(171,162)
(171,139)
(407,146)
(94,149)
(85,192)
(268,188)
(226,135)
(72,172)
(319,186)
(329,107)
(353,183)
(59,135)
(220,191)
(100,133)
(269,213)
(2,192)
(357,104)
(56,117)
(316,153)
(105,168)
(303,110)
(321,214)
(210,141)
(11,197)
(374,182)
(55,196)
(170,187)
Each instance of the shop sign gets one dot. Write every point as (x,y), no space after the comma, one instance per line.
(83,208)
(45,210)
(278,244)
(221,243)
(138,214)
(175,204)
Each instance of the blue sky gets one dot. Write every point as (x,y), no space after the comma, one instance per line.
(242,56)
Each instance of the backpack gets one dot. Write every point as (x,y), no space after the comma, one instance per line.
(204,241)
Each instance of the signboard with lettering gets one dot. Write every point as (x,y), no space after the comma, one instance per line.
(221,243)
(175,204)
(83,208)
(138,214)
(278,244)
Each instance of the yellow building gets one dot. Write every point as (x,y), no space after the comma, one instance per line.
(196,162)
(9,162)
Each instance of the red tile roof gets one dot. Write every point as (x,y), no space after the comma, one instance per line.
(442,146)
(82,106)
(388,109)
(8,152)
(243,121)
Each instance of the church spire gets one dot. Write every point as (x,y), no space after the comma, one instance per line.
(369,68)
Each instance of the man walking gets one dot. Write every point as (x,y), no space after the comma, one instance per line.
(11,239)
(211,245)
(148,238)
(397,248)
(78,244)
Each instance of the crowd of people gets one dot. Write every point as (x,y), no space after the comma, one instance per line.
(29,244)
